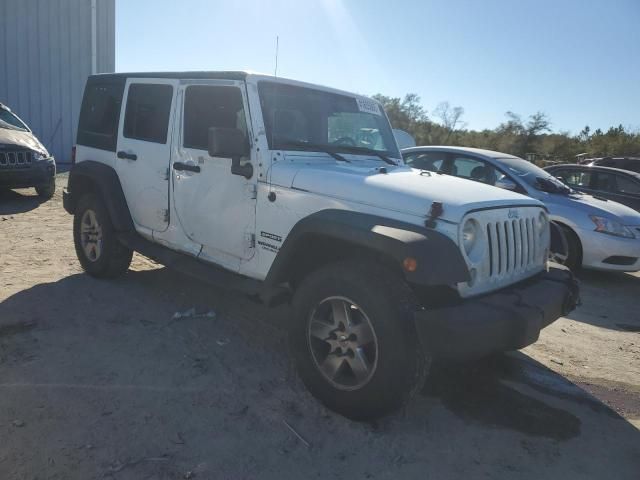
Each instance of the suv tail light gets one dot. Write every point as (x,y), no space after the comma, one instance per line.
(73,155)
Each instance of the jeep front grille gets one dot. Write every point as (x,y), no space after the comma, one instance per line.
(512,245)
(515,247)
(15,159)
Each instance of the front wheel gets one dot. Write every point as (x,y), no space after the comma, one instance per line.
(47,190)
(353,339)
(99,251)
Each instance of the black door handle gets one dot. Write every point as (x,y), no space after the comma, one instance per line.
(185,166)
(128,156)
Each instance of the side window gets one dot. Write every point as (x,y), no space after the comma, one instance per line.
(147,114)
(627,186)
(99,115)
(606,182)
(208,106)
(575,178)
(473,169)
(431,161)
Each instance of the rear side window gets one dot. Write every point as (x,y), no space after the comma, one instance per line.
(99,115)
(147,114)
(628,186)
(208,106)
(606,182)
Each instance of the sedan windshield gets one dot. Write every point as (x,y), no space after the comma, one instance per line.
(300,118)
(10,121)
(533,175)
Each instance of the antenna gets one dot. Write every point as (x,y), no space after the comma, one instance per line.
(275,73)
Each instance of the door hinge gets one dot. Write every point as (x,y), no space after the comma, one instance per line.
(166,215)
(250,240)
(252,191)
(166,174)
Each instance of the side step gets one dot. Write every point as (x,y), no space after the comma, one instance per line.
(191,266)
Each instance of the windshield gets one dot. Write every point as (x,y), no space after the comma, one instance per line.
(533,175)
(300,118)
(10,121)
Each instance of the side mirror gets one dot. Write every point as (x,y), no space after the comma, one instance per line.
(230,143)
(506,184)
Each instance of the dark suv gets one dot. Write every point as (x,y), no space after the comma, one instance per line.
(24,162)
(624,163)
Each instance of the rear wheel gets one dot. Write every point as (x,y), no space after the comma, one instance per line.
(353,339)
(47,190)
(97,247)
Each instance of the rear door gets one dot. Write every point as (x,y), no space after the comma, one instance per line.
(144,149)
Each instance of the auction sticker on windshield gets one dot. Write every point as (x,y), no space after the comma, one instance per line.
(368,106)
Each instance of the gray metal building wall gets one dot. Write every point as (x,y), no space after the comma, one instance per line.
(45,58)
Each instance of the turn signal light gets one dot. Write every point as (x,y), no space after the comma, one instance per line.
(410,264)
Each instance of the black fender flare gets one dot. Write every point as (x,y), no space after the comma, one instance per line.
(96,177)
(439,259)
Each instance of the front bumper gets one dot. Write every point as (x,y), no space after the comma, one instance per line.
(509,319)
(39,173)
(598,248)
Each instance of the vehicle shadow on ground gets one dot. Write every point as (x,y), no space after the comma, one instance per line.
(509,391)
(513,391)
(603,294)
(22,201)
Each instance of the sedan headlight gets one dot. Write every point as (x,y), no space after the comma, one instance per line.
(37,156)
(611,227)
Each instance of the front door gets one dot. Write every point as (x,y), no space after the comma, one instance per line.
(214,207)
(144,150)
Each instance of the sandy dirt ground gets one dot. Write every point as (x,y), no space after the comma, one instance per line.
(101,379)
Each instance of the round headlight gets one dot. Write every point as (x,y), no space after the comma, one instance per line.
(543,223)
(469,235)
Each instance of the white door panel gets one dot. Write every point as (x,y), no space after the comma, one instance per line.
(144,149)
(214,208)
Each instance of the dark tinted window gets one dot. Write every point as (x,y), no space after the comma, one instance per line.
(8,120)
(99,115)
(628,186)
(147,114)
(606,182)
(210,106)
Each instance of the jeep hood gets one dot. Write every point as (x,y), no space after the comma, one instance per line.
(402,189)
(9,136)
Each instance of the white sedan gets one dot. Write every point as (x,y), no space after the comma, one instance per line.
(601,234)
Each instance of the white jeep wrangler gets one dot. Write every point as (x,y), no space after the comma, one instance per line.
(296,192)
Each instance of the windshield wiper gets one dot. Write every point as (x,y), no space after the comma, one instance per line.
(314,147)
(370,151)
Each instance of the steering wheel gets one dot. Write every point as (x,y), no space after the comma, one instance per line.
(348,141)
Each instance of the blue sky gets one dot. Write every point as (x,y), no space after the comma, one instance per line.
(578,61)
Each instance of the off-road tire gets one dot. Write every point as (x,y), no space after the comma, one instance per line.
(389,305)
(47,190)
(114,258)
